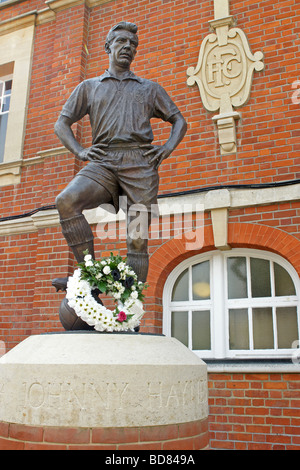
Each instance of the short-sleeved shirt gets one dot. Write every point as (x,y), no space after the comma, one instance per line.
(119,110)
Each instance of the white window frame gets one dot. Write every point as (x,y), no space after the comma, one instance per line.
(219,305)
(4,79)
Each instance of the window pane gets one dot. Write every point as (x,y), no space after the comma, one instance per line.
(5,92)
(260,277)
(237,278)
(263,328)
(238,329)
(287,326)
(179,326)
(181,287)
(283,282)
(3,126)
(201,330)
(5,103)
(201,283)
(8,86)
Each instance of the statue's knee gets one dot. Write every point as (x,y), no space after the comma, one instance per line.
(60,203)
(65,205)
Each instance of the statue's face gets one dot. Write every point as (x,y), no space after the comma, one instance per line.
(123,48)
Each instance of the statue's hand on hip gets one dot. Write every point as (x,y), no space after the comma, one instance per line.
(157,154)
(92,153)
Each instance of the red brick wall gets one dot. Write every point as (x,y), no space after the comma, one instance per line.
(285,216)
(254,411)
(10,11)
(184,436)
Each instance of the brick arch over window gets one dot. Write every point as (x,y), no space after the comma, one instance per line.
(266,238)
(171,253)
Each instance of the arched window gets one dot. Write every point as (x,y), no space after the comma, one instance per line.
(238,303)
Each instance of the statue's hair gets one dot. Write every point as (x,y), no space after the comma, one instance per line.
(122,25)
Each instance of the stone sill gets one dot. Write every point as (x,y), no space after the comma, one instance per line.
(249,366)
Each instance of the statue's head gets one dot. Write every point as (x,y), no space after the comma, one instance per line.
(123,25)
(122,42)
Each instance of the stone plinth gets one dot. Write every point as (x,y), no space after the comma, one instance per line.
(97,390)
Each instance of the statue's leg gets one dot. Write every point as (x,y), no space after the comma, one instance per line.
(139,181)
(82,193)
(140,263)
(137,244)
(78,235)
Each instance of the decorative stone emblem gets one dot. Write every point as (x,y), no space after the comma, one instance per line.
(224,75)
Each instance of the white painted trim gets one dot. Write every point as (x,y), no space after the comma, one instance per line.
(251,368)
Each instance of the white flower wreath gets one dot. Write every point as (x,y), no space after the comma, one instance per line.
(111,276)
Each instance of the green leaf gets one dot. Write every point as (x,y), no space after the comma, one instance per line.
(102,286)
(126,294)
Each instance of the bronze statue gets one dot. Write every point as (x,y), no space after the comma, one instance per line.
(122,159)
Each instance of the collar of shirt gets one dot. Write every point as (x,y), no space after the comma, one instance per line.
(129,75)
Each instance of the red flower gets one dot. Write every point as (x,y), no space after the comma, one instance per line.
(121,316)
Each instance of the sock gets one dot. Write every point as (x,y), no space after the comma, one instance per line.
(78,235)
(139,262)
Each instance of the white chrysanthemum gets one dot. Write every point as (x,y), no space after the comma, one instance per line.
(72,303)
(121,266)
(84,288)
(77,274)
(106,269)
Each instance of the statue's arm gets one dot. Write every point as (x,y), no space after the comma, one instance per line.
(178,131)
(159,153)
(63,130)
(65,134)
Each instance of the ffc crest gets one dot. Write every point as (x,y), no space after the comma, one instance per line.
(224,75)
